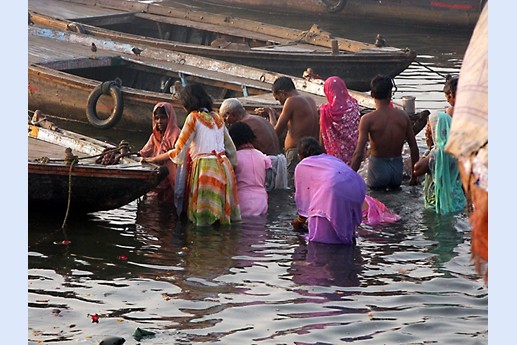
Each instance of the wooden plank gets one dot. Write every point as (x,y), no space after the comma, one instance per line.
(70,9)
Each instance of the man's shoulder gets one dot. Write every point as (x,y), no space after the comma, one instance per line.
(258,123)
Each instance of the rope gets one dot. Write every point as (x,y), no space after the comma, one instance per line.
(115,149)
(430,69)
(69,194)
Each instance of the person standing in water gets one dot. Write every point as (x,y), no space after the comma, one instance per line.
(211,183)
(387,129)
(299,117)
(164,136)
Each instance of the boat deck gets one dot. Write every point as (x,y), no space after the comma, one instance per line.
(69,10)
(39,149)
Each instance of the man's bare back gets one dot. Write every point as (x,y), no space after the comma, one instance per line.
(300,117)
(388,130)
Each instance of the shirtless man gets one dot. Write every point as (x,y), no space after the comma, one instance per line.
(299,116)
(387,128)
(266,139)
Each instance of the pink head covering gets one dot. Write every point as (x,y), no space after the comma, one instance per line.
(159,143)
(339,120)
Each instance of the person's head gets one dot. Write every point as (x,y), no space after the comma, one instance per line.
(334,87)
(241,134)
(232,110)
(195,97)
(449,89)
(309,146)
(282,86)
(381,87)
(163,116)
(160,118)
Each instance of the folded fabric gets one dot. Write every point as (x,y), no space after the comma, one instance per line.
(377,212)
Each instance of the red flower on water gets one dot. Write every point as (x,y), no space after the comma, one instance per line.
(94,317)
(122,257)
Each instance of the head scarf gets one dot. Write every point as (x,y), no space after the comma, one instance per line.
(443,190)
(159,143)
(339,120)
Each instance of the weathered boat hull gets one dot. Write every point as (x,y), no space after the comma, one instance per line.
(51,90)
(283,50)
(89,189)
(82,184)
(445,13)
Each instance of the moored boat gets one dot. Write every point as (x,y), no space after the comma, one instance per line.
(257,44)
(65,74)
(458,14)
(74,174)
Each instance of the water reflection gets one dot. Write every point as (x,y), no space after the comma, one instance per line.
(323,264)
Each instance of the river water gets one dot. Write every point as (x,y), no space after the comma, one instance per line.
(259,282)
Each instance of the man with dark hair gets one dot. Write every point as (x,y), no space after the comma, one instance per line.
(299,116)
(387,128)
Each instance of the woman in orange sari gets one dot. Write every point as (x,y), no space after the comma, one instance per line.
(164,136)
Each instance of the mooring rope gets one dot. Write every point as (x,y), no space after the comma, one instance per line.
(430,69)
(69,193)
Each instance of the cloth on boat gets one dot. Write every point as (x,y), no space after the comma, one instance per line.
(443,191)
(339,120)
(384,172)
(376,212)
(158,144)
(330,195)
(251,179)
(276,177)
(210,183)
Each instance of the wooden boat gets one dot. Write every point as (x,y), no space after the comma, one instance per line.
(458,14)
(256,44)
(65,76)
(64,173)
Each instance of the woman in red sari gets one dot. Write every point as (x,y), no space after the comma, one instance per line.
(339,120)
(163,138)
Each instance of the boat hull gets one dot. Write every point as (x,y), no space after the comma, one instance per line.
(88,189)
(445,13)
(255,44)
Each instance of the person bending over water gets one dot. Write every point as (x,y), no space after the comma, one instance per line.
(250,171)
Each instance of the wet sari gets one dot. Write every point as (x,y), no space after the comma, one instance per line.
(339,120)
(443,191)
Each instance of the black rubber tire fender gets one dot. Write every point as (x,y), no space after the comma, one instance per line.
(333,7)
(105,88)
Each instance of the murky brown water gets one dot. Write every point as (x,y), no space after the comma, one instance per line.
(259,282)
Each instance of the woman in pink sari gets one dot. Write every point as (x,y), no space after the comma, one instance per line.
(339,120)
(163,138)
(331,197)
(250,171)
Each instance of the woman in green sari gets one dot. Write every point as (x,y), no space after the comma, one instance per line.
(443,191)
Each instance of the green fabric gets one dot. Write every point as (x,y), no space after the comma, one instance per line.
(442,187)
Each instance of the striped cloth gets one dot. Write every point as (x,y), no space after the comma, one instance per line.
(211,183)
